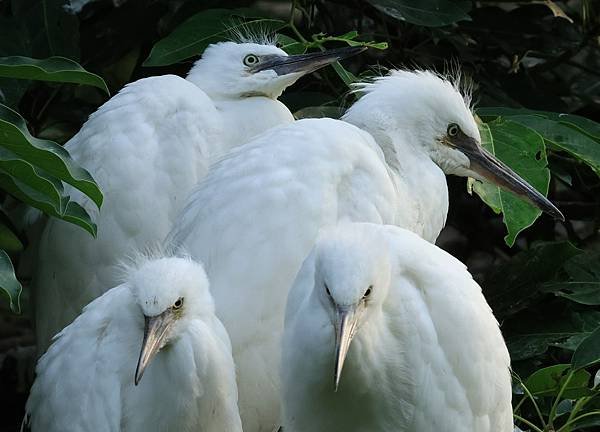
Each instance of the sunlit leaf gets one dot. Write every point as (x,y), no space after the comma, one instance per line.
(523,150)
(549,382)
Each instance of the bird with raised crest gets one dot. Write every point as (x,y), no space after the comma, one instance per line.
(146,147)
(184,380)
(257,214)
(387,332)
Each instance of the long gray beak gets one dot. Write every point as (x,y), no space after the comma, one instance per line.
(156,329)
(493,169)
(304,63)
(345,329)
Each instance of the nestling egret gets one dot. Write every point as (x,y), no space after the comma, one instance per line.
(403,330)
(257,214)
(146,147)
(184,380)
(426,129)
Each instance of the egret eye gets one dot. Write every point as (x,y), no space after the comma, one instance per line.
(453,129)
(250,60)
(327,290)
(368,291)
(178,303)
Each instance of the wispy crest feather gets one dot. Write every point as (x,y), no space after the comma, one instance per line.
(452,74)
(136,259)
(240,31)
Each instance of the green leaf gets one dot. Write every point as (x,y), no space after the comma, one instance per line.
(523,150)
(550,380)
(44,154)
(346,76)
(214,25)
(348,38)
(48,28)
(429,13)
(537,335)
(9,240)
(9,283)
(33,192)
(58,69)
(291,45)
(516,284)
(583,284)
(588,351)
(578,136)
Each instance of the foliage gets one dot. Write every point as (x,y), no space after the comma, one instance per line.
(535,68)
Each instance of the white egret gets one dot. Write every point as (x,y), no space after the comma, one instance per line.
(88,379)
(146,147)
(402,328)
(256,215)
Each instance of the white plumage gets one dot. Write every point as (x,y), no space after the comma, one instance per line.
(146,148)
(85,382)
(425,355)
(256,215)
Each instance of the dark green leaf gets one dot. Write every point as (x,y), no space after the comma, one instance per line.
(214,25)
(429,13)
(523,150)
(9,283)
(511,286)
(9,240)
(588,351)
(534,335)
(550,380)
(50,30)
(57,69)
(583,284)
(47,155)
(33,192)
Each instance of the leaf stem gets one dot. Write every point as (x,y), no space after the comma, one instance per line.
(528,423)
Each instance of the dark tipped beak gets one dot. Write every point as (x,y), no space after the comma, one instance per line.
(304,63)
(494,170)
(345,329)
(156,328)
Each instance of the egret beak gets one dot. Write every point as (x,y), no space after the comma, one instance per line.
(493,169)
(155,330)
(345,329)
(304,63)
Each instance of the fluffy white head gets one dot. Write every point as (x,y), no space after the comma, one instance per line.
(225,71)
(419,107)
(352,268)
(170,283)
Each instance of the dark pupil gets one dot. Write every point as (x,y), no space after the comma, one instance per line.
(178,303)
(327,290)
(251,59)
(368,292)
(453,130)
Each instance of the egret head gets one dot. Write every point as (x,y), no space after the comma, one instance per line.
(232,70)
(169,292)
(429,111)
(352,276)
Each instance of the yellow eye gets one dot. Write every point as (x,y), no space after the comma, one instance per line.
(178,303)
(250,60)
(453,129)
